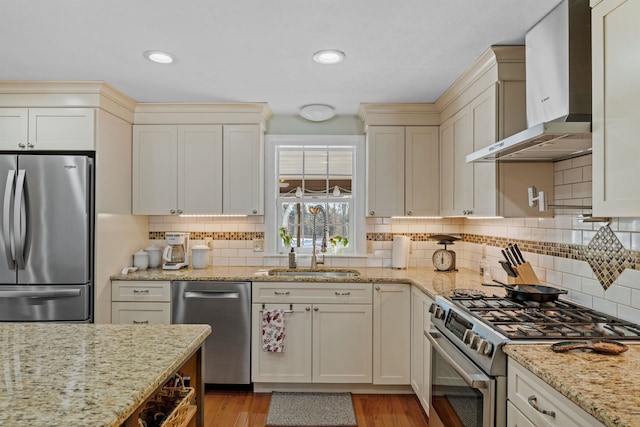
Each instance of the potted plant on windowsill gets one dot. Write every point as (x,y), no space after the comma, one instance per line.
(338,243)
(287,240)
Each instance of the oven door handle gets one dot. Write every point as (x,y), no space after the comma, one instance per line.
(478,383)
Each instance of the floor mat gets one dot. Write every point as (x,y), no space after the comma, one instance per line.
(468,409)
(311,410)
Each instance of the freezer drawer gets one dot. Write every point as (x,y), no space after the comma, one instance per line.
(226,306)
(45,303)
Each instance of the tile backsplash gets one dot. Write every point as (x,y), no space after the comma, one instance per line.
(558,248)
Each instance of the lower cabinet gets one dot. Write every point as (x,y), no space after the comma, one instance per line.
(328,337)
(532,402)
(140,302)
(391,333)
(420,347)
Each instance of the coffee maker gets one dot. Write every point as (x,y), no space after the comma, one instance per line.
(176,253)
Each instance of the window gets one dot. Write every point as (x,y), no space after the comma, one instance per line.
(316,187)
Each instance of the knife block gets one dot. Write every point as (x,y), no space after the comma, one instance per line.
(526,275)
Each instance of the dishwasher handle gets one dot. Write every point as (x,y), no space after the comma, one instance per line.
(211,294)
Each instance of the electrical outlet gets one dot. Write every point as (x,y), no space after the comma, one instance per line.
(209,243)
(369,246)
(258,245)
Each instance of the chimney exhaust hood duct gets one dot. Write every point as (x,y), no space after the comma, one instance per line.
(558,87)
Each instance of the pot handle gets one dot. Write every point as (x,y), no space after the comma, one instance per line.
(165,255)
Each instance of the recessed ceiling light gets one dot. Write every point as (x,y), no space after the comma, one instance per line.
(328,56)
(159,56)
(317,112)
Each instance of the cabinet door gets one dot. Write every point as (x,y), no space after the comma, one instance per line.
(484,123)
(421,171)
(62,128)
(199,167)
(456,175)
(142,313)
(616,87)
(385,171)
(425,397)
(294,364)
(342,343)
(155,173)
(14,127)
(392,333)
(417,335)
(243,170)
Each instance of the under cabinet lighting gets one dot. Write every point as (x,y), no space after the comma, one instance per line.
(211,216)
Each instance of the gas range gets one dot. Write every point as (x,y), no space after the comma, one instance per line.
(481,325)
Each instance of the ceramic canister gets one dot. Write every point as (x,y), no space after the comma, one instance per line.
(155,256)
(200,256)
(141,260)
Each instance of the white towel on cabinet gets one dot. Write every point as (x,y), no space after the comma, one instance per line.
(273,330)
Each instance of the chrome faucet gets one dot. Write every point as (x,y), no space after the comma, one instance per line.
(314,210)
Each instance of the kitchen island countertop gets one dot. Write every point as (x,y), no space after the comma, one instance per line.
(607,387)
(87,374)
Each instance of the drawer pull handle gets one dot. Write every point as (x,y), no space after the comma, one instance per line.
(533,401)
(140,322)
(341,294)
(141,291)
(281,293)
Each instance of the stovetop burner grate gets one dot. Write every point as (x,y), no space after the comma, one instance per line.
(546,320)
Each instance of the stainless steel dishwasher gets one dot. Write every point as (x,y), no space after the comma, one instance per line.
(226,306)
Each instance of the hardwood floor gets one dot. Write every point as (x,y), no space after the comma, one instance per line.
(230,408)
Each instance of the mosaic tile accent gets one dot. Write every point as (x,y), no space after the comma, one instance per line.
(607,257)
(222,235)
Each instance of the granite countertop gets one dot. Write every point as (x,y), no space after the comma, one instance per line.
(431,282)
(607,387)
(87,374)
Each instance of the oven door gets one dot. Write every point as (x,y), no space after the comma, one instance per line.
(461,393)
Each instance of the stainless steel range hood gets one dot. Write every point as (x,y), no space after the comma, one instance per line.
(558,66)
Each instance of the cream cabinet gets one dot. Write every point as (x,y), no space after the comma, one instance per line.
(456,177)
(177,169)
(47,129)
(328,333)
(197,169)
(420,347)
(243,170)
(615,42)
(392,333)
(140,302)
(402,171)
(532,402)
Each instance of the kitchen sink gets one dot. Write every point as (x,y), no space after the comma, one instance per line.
(313,273)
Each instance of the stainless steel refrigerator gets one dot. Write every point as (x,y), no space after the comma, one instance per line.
(46,238)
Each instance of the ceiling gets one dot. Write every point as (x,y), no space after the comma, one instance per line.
(260,50)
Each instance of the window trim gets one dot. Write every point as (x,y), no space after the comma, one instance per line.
(272,188)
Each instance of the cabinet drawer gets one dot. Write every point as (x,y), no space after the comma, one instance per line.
(141,312)
(524,386)
(141,291)
(331,293)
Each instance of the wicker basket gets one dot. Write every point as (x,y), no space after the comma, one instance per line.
(168,408)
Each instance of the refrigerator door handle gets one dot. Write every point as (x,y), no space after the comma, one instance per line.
(63,293)
(9,247)
(19,219)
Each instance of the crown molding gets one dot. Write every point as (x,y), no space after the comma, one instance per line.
(227,113)
(86,94)
(400,114)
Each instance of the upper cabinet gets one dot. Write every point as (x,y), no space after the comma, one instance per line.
(182,166)
(484,105)
(615,44)
(47,129)
(402,160)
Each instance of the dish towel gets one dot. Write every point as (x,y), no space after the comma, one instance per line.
(273,330)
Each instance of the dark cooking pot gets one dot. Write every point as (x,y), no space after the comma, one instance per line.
(539,293)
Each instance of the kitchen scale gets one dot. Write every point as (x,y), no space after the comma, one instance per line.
(444,259)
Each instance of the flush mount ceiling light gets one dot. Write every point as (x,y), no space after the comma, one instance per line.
(159,56)
(317,112)
(328,57)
